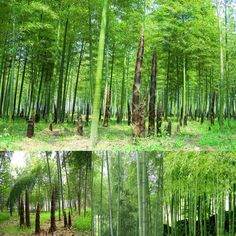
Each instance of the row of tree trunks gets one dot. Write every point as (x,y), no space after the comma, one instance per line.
(24,211)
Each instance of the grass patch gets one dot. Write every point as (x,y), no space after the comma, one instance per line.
(83,224)
(10,225)
(117,137)
(4,216)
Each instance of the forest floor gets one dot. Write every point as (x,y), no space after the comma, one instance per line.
(193,137)
(10,226)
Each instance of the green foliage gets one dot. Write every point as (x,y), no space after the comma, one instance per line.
(199,172)
(26,181)
(4,217)
(82,223)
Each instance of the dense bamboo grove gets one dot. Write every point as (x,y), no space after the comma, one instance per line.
(199,194)
(63,59)
(51,192)
(129,194)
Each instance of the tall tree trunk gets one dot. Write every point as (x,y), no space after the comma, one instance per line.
(152,102)
(85,189)
(98,80)
(77,80)
(108,98)
(122,98)
(37,220)
(159,119)
(221,90)
(118,199)
(136,87)
(22,217)
(49,173)
(101,198)
(109,196)
(79,191)
(61,74)
(90,53)
(139,195)
(227,65)
(38,96)
(66,83)
(27,210)
(58,183)
(62,190)
(53,208)
(144,223)
(22,86)
(184,92)
(68,185)
(166,100)
(16,86)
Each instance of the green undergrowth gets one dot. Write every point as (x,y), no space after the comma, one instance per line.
(194,136)
(12,223)
(4,216)
(82,223)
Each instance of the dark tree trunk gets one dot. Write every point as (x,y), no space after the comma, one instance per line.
(202,117)
(79,191)
(129,114)
(65,218)
(11,208)
(30,130)
(151,127)
(87,114)
(55,113)
(108,98)
(169,128)
(19,205)
(37,220)
(69,220)
(51,127)
(65,84)
(38,97)
(85,189)
(77,80)
(136,88)
(53,207)
(181,117)
(60,83)
(16,87)
(142,119)
(21,87)
(212,114)
(22,214)
(185,120)
(159,119)
(27,210)
(107,110)
(80,125)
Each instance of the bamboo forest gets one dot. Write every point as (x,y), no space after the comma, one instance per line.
(129,199)
(152,74)
(45,192)
(118,117)
(199,194)
(108,193)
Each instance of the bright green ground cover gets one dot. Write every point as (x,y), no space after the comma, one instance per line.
(64,137)
(10,225)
